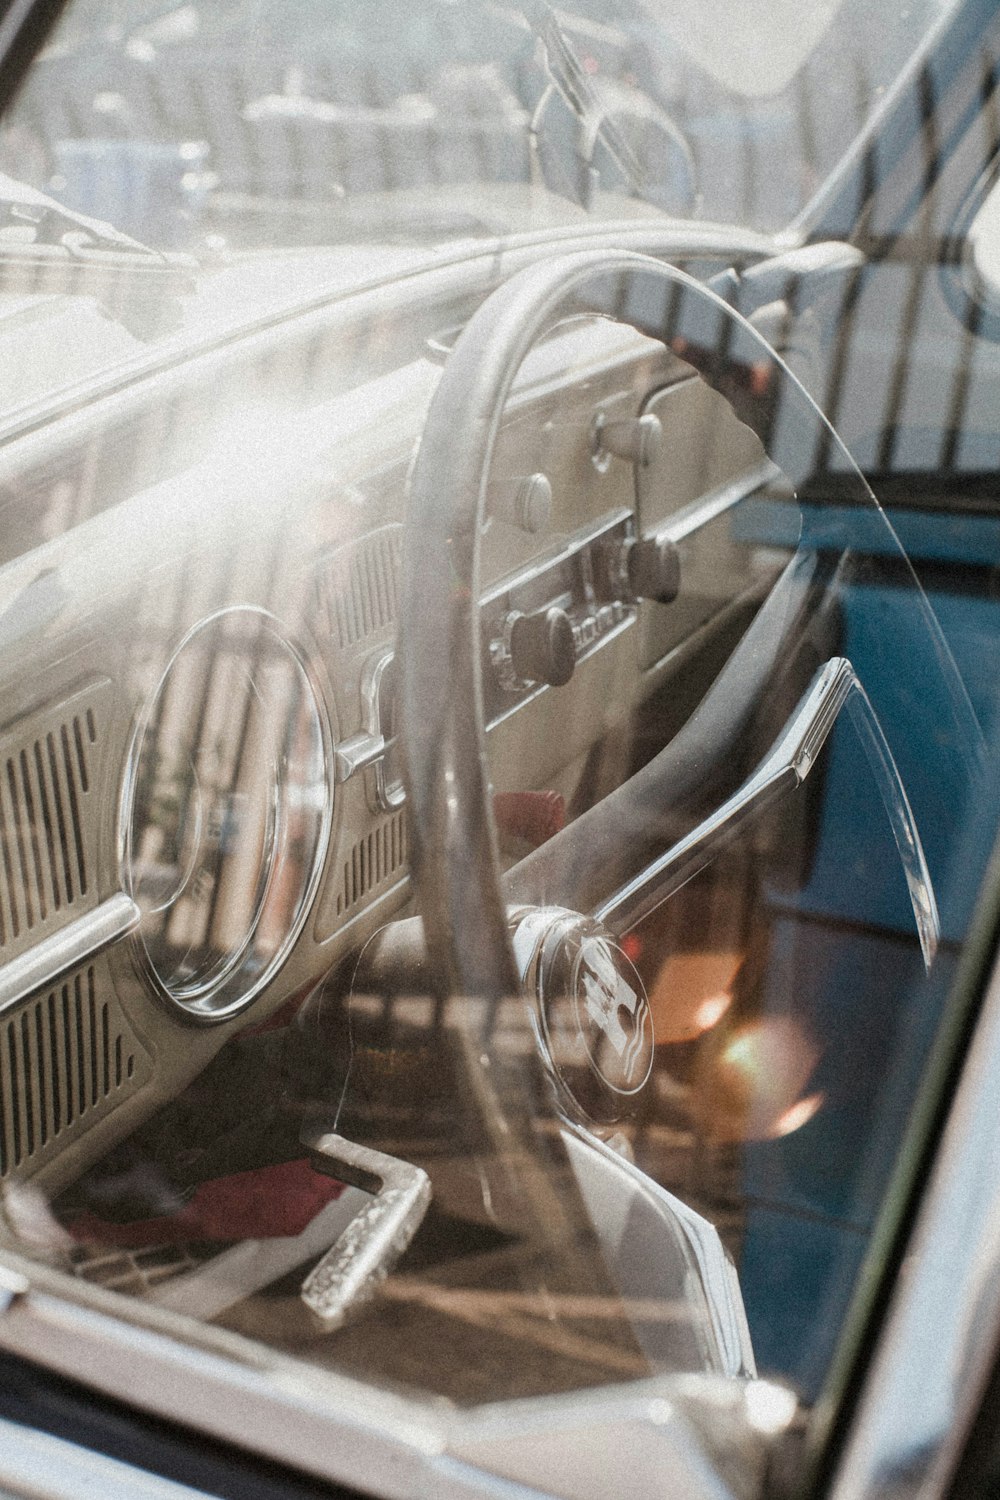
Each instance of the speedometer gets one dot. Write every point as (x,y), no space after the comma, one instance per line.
(227,811)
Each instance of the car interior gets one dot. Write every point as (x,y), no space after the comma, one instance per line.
(484,774)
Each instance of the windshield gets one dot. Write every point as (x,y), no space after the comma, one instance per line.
(236,126)
(348,135)
(498,729)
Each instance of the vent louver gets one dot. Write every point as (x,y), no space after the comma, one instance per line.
(48,771)
(360,587)
(65,1058)
(375,860)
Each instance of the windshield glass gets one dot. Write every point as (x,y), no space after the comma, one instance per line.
(346,135)
(498,732)
(227,127)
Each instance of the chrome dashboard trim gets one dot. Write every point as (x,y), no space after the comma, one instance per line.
(54,956)
(333,1426)
(496,632)
(692,518)
(570,547)
(651,236)
(367,750)
(389,795)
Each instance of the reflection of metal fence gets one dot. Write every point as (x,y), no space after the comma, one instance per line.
(349,98)
(288,140)
(908,323)
(362,104)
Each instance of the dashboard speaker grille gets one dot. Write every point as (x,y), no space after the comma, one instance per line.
(374,860)
(361,587)
(48,772)
(66,1057)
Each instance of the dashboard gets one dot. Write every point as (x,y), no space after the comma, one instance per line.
(202,807)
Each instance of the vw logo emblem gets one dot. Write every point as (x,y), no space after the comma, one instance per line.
(593,1021)
(613,1015)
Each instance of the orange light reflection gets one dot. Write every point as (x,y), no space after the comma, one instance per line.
(751,1082)
(711,1011)
(800,1114)
(691,993)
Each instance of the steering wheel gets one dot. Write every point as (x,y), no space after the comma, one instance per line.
(550,1188)
(454,855)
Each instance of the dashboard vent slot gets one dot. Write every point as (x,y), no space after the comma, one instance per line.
(374,861)
(48,769)
(66,1057)
(362,587)
(137,1272)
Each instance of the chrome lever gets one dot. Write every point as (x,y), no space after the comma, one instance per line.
(836,686)
(351,1270)
(360,753)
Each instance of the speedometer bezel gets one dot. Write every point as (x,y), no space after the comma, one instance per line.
(213,1003)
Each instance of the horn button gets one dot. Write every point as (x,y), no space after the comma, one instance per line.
(592,1017)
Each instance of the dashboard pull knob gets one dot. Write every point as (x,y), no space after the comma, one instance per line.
(542,648)
(654,569)
(637,439)
(525,502)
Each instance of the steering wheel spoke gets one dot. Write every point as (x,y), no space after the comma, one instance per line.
(784,768)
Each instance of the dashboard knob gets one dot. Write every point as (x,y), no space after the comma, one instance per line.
(654,569)
(542,648)
(525,502)
(636,439)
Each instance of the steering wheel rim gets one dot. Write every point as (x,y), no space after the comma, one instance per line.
(454,853)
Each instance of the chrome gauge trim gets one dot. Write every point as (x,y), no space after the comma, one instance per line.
(233,981)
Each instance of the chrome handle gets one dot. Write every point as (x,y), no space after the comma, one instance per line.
(60,952)
(350,1271)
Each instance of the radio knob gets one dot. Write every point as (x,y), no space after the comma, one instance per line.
(525,502)
(654,569)
(646,567)
(542,647)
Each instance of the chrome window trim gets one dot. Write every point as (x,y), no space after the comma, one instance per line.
(34,1463)
(924,1386)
